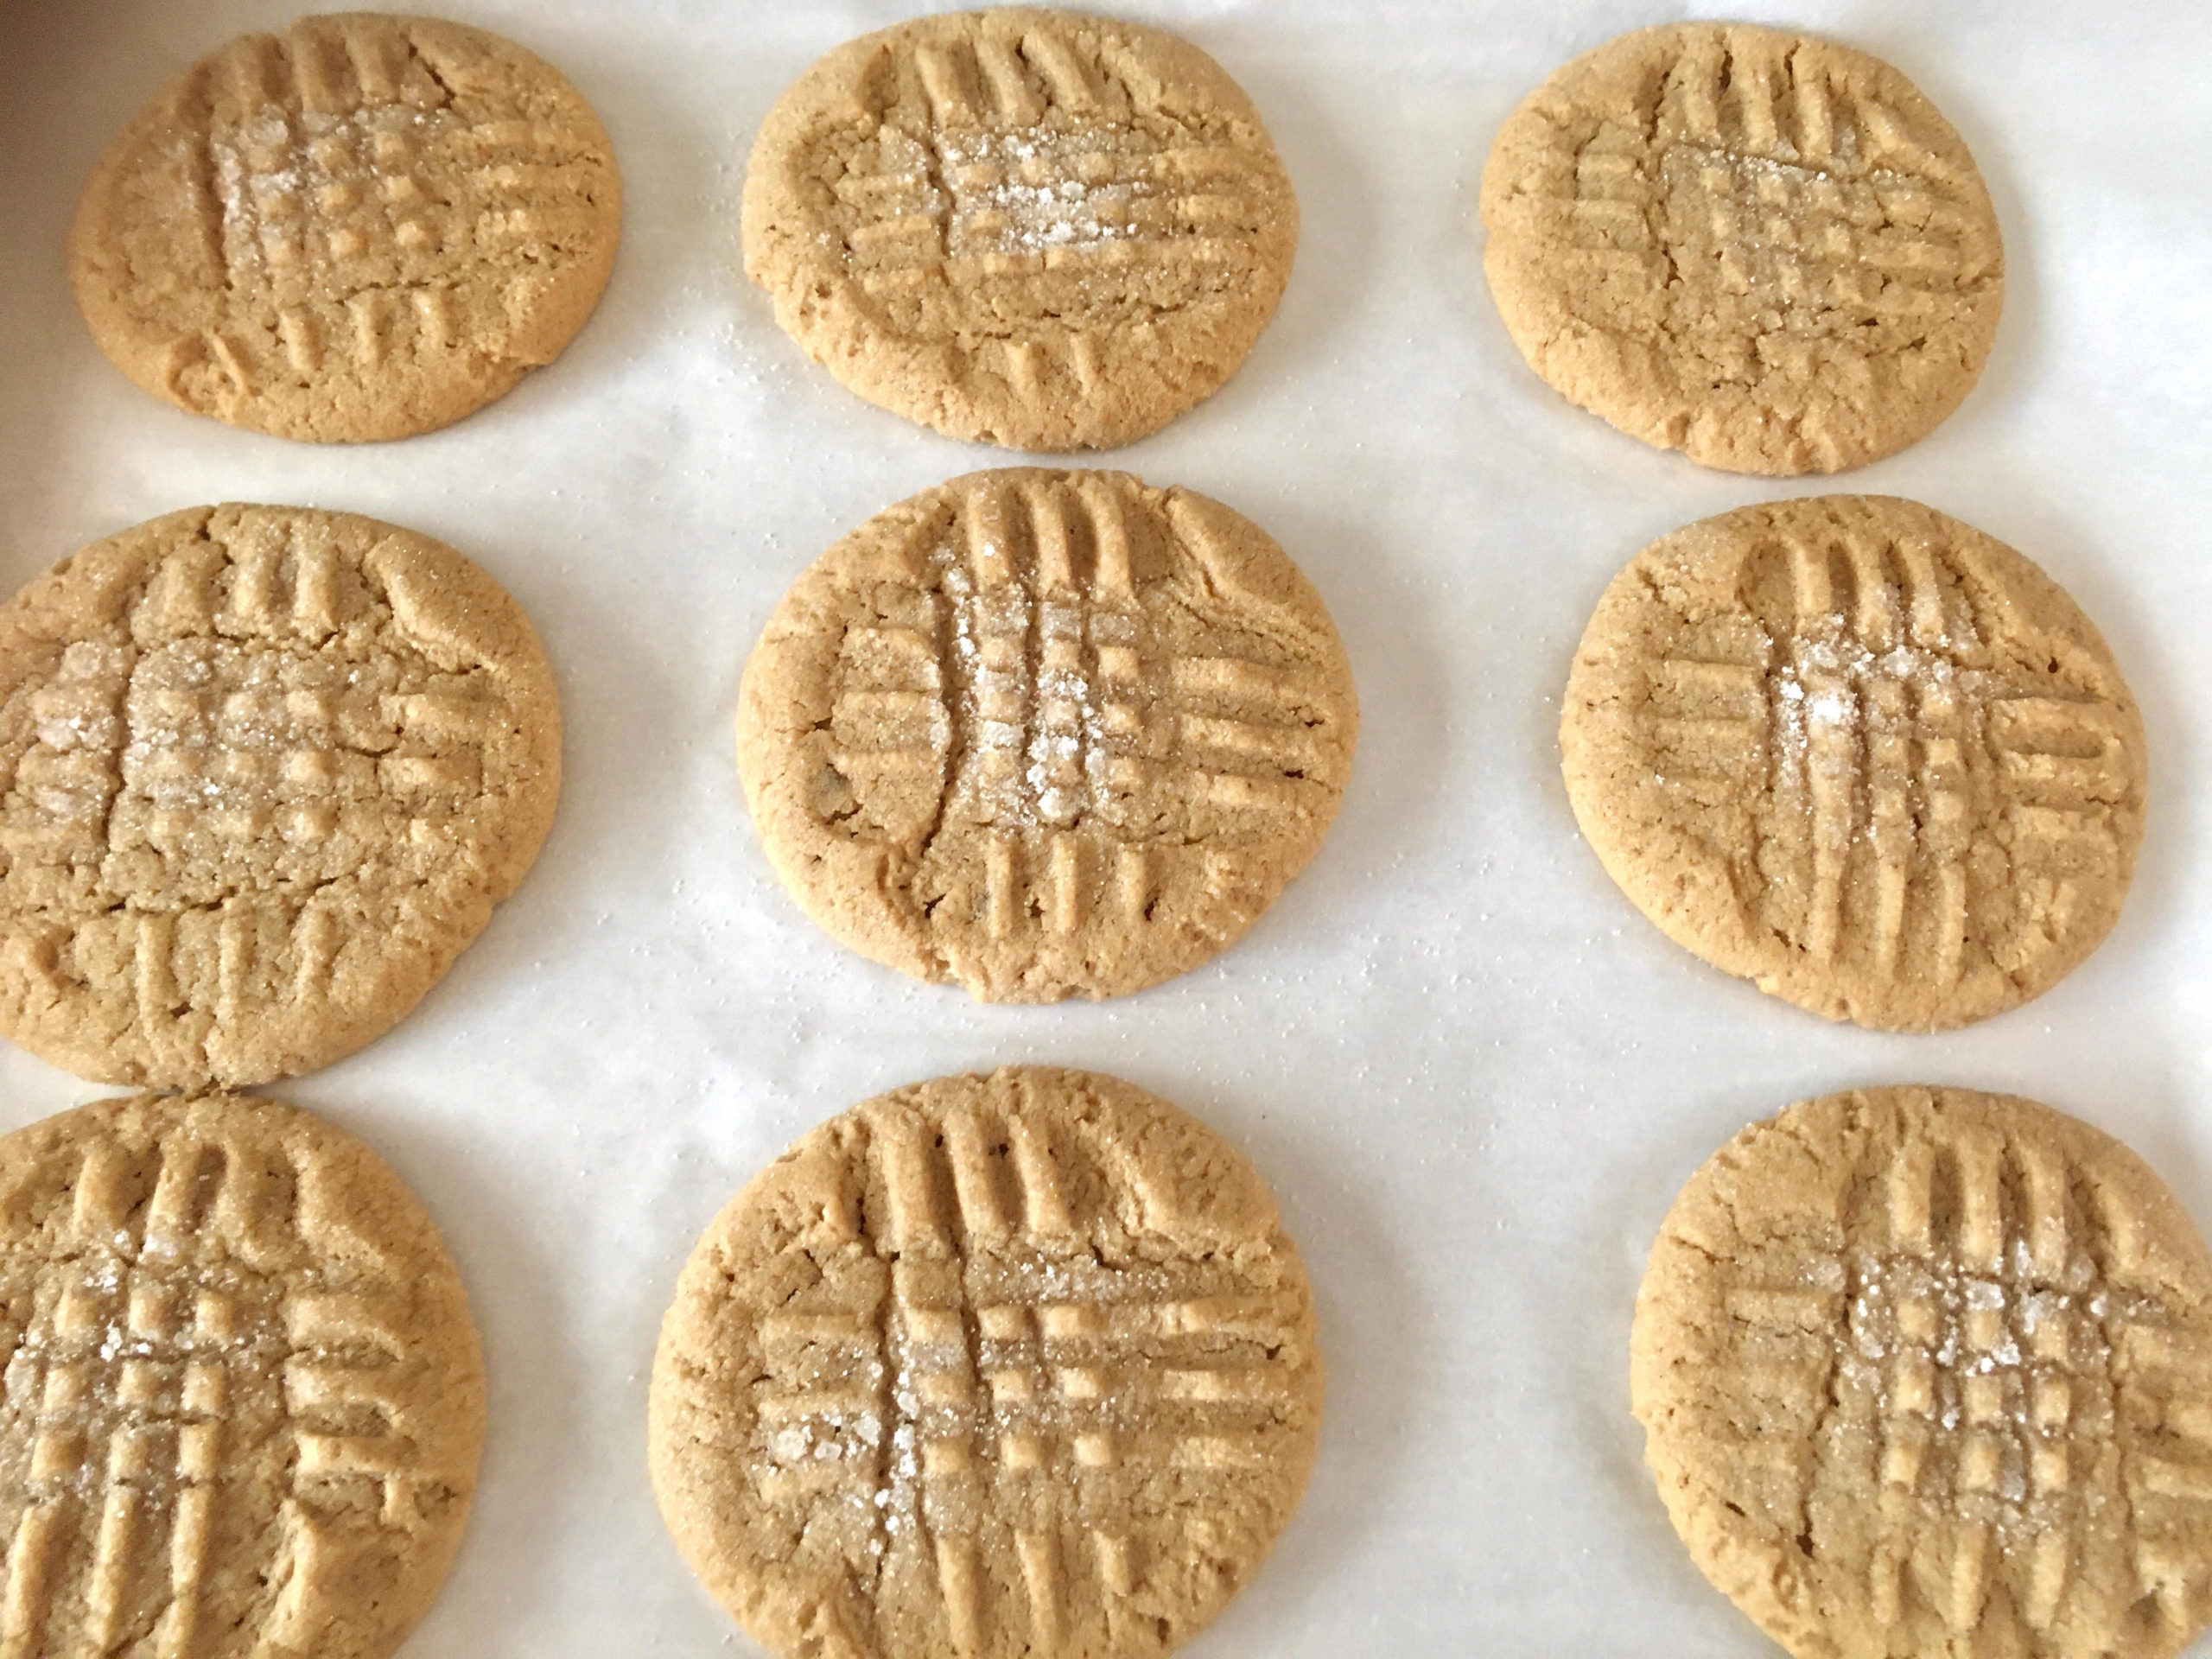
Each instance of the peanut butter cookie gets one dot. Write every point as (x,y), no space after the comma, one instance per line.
(1924,1371)
(1767,251)
(1039,229)
(987,1367)
(1045,734)
(365,227)
(244,1399)
(1861,753)
(263,774)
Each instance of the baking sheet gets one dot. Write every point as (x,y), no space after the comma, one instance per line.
(1474,1076)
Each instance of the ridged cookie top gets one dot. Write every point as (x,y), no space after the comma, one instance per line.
(263,772)
(1045,733)
(1036,228)
(364,227)
(1924,1371)
(992,1367)
(1770,252)
(1860,752)
(243,1397)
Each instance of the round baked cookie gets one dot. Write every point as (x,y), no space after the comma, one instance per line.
(263,774)
(1039,229)
(1767,251)
(1860,754)
(1045,734)
(992,1366)
(365,227)
(244,1399)
(1924,1371)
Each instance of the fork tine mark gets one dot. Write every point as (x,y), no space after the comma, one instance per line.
(30,1560)
(1133,880)
(959,1581)
(903,1162)
(154,977)
(1067,885)
(1969,1586)
(974,1185)
(1067,77)
(108,1583)
(1041,1576)
(177,1634)
(1044,1206)
(1112,578)
(944,78)
(1003,887)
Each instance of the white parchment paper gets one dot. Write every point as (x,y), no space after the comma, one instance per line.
(1474,1076)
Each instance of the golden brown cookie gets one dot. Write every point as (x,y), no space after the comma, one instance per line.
(365,227)
(244,1399)
(1925,1372)
(1040,229)
(1767,251)
(990,1366)
(1861,753)
(1047,735)
(263,774)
